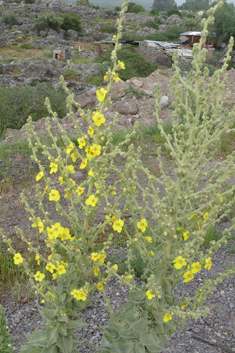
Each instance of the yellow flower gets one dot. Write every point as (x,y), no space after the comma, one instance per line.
(128,278)
(150,295)
(55,276)
(121,65)
(118,224)
(91,173)
(167,317)
(39,276)
(148,239)
(142,225)
(208,263)
(101,94)
(7,327)
(83,164)
(116,78)
(70,148)
(37,258)
(196,267)
(54,167)
(35,223)
(151,253)
(205,217)
(100,286)
(70,169)
(73,182)
(81,141)
(95,150)
(73,156)
(221,197)
(91,201)
(38,223)
(90,131)
(186,235)
(102,258)
(194,215)
(50,267)
(96,271)
(60,270)
(114,267)
(98,118)
(95,256)
(79,190)
(65,234)
(18,259)
(179,262)
(106,78)
(81,295)
(54,195)
(39,176)
(113,192)
(188,276)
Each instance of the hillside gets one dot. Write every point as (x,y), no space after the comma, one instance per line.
(147,4)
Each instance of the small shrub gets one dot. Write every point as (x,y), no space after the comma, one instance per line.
(26,46)
(71,21)
(110,13)
(173,33)
(5,340)
(48,20)
(117,8)
(70,74)
(151,23)
(30,1)
(10,18)
(134,8)
(108,28)
(174,12)
(135,63)
(17,103)
(154,12)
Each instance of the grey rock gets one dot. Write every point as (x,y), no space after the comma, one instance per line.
(86,100)
(72,35)
(164,102)
(127,107)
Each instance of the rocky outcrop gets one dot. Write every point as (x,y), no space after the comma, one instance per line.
(154,54)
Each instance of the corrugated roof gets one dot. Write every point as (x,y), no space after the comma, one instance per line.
(191,33)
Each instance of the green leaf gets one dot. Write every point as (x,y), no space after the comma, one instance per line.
(62,297)
(125,346)
(111,332)
(65,344)
(80,304)
(123,331)
(158,273)
(63,318)
(48,313)
(139,349)
(151,342)
(139,326)
(51,335)
(51,349)
(77,324)
(37,338)
(30,349)
(157,255)
(137,297)
(62,328)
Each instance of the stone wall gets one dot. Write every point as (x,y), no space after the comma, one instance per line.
(154,55)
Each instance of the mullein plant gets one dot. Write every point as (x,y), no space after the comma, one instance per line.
(167,230)
(5,337)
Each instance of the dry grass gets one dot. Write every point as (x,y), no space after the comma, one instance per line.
(11,51)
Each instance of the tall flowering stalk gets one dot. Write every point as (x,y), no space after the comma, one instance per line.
(167,230)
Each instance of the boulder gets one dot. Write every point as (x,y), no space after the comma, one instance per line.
(86,100)
(72,35)
(126,107)
(119,90)
(175,20)
(164,102)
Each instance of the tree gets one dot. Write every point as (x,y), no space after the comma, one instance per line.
(164,5)
(224,24)
(196,5)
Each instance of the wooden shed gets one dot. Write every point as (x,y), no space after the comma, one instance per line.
(192,37)
(61,54)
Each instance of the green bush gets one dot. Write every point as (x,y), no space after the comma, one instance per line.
(17,103)
(151,23)
(10,18)
(26,46)
(174,12)
(30,1)
(173,33)
(108,28)
(134,8)
(110,13)
(48,20)
(135,63)
(70,74)
(154,12)
(71,21)
(117,8)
